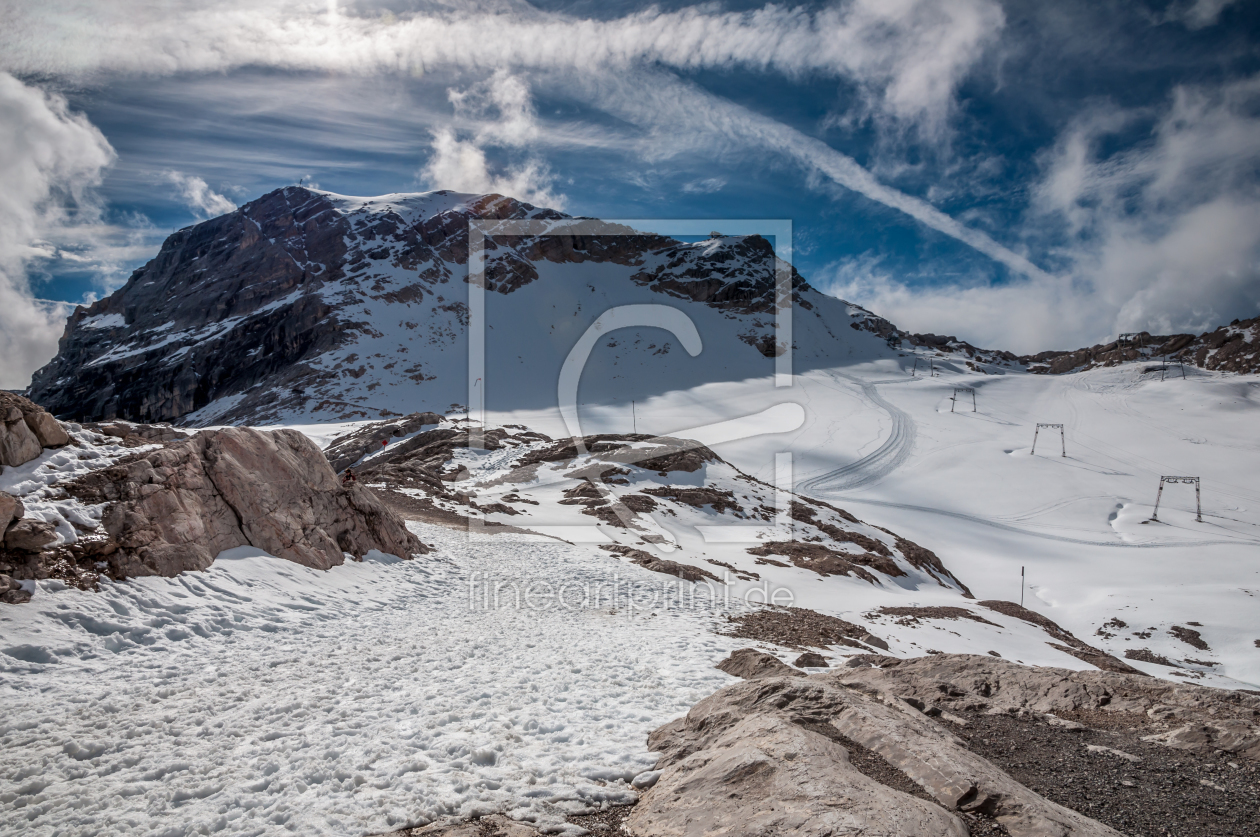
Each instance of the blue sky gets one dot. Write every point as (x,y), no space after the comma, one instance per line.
(1024,175)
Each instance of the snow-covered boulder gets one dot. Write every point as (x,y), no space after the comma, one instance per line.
(176,508)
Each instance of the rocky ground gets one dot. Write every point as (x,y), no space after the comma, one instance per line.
(128,500)
(1106,770)
(942,745)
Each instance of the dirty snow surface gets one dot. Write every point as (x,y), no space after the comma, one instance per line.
(261,697)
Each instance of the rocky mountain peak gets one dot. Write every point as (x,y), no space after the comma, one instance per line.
(331,306)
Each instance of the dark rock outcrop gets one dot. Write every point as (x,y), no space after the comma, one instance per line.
(175,509)
(1231,348)
(243,286)
(289,283)
(352,447)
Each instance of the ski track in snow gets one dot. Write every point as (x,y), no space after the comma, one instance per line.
(887,458)
(261,697)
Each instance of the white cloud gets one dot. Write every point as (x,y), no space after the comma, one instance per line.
(1163,237)
(683,118)
(1197,14)
(199,197)
(906,56)
(497,112)
(705,186)
(50,160)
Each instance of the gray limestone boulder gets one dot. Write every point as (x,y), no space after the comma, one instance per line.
(751,664)
(26,429)
(176,508)
(770,756)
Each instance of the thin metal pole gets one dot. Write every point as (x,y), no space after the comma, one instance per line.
(1160,493)
(633,418)
(1198,507)
(973,401)
(915,367)
(1021,586)
(953,399)
(1063,441)
(1035,432)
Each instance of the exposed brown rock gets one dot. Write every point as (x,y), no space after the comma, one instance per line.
(909,615)
(352,447)
(11,509)
(1193,717)
(810,659)
(29,535)
(759,757)
(826,561)
(1070,644)
(800,628)
(175,509)
(661,565)
(751,664)
(1189,636)
(1145,655)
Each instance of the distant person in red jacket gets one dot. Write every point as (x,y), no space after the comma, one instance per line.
(348,477)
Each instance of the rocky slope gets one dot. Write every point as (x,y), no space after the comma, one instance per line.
(337,307)
(1231,348)
(648,499)
(126,504)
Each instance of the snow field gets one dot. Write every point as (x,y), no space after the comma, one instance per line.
(261,697)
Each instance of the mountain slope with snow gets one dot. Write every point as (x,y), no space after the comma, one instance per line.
(332,307)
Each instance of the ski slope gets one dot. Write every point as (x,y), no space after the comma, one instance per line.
(886,446)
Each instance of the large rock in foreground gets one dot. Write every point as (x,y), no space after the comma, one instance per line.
(26,429)
(777,755)
(175,509)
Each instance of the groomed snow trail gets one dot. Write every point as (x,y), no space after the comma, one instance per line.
(883,461)
(261,697)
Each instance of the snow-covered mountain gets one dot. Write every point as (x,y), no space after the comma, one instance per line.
(334,307)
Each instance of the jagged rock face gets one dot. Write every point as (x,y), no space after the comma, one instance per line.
(244,287)
(350,308)
(1231,348)
(175,509)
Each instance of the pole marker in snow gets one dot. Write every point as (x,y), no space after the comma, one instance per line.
(954,398)
(1062,437)
(1198,506)
(1021,586)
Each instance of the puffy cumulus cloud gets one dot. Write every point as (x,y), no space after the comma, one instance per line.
(1163,236)
(496,112)
(50,161)
(906,56)
(461,165)
(198,196)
